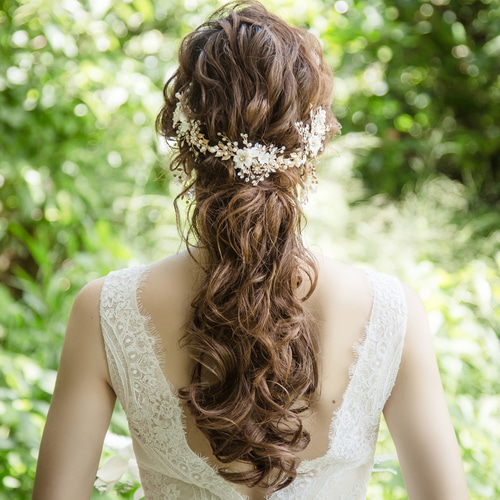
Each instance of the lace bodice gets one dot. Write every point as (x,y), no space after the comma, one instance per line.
(169,469)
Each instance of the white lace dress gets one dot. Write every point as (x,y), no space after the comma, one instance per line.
(169,469)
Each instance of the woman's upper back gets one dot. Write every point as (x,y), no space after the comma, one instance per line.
(359,315)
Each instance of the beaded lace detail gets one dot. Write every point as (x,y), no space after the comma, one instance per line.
(170,469)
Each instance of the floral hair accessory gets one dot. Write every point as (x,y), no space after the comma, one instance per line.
(254,161)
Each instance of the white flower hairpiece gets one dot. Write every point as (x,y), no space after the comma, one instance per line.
(254,161)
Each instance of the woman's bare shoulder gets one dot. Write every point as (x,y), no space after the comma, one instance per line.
(344,282)
(340,270)
(351,282)
(173,280)
(344,293)
(87,300)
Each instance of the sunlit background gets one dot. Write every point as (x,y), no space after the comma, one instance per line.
(411,188)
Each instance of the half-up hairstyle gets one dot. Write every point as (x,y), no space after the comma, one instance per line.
(254,346)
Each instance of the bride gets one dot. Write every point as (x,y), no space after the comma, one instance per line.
(248,366)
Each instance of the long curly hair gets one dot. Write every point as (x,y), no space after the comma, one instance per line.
(255,348)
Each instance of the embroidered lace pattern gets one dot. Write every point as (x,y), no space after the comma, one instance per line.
(170,469)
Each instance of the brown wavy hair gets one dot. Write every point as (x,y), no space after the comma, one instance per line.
(254,346)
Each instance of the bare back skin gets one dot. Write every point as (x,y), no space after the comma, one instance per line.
(340,304)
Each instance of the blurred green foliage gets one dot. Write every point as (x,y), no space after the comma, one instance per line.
(413,189)
(425,81)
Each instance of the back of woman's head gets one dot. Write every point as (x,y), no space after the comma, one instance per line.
(245,71)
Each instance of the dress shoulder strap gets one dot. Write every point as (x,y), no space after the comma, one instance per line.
(123,329)
(153,411)
(386,331)
(378,355)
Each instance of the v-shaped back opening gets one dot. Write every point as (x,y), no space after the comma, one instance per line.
(160,354)
(134,346)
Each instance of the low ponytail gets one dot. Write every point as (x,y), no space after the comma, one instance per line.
(255,347)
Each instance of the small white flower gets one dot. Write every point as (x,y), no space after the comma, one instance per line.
(265,157)
(256,150)
(179,115)
(314,144)
(244,157)
(183,128)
